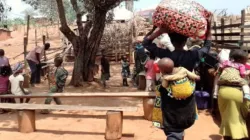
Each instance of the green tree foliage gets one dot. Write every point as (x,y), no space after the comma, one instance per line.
(4,9)
(48,8)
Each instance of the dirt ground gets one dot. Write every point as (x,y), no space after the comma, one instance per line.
(90,125)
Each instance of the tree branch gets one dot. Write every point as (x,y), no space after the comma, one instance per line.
(74,5)
(107,4)
(70,35)
(78,17)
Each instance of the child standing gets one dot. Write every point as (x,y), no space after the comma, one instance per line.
(150,73)
(16,82)
(125,70)
(57,79)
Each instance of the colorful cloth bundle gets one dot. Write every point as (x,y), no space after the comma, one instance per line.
(185,17)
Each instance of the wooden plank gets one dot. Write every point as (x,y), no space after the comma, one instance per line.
(230,41)
(245,26)
(226,34)
(63,107)
(237,25)
(83,95)
(245,34)
(231,46)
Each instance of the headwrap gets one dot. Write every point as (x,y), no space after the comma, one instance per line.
(17,67)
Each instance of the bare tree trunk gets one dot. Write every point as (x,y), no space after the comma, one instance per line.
(93,44)
(85,45)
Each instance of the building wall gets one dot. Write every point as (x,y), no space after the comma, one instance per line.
(4,35)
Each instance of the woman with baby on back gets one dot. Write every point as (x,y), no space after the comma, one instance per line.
(233,95)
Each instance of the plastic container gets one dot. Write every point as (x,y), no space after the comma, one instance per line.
(202,99)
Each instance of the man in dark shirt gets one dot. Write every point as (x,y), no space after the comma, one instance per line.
(178,115)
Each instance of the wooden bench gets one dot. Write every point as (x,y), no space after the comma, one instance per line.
(26,116)
(148,98)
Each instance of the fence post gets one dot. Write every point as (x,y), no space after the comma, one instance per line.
(222,31)
(231,29)
(216,37)
(242,28)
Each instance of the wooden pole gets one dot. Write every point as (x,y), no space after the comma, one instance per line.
(222,31)
(216,38)
(28,26)
(231,29)
(45,59)
(26,75)
(26,40)
(44,40)
(25,43)
(36,37)
(243,15)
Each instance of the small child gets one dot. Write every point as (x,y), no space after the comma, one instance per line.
(177,80)
(125,70)
(57,79)
(233,72)
(16,82)
(150,73)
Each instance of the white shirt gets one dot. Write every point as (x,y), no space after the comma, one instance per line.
(15,87)
(32,54)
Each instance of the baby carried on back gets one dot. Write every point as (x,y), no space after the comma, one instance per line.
(179,82)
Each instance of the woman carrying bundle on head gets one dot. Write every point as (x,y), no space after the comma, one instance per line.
(178,115)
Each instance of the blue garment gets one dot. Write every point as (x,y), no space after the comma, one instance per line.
(174,135)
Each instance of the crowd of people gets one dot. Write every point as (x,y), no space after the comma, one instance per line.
(12,78)
(163,61)
(172,68)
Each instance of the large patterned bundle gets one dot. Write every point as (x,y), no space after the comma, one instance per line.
(182,16)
